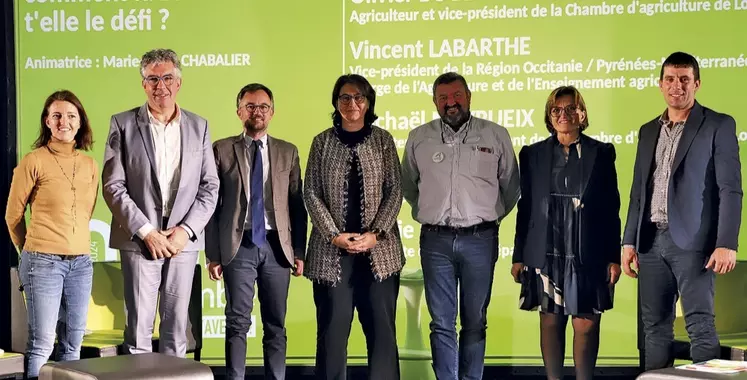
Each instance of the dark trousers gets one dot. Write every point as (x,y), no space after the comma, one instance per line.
(376,303)
(269,268)
(667,271)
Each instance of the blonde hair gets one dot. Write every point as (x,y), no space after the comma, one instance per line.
(559,93)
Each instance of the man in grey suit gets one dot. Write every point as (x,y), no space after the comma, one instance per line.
(258,231)
(160,183)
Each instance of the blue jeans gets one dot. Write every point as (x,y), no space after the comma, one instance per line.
(56,289)
(463,260)
(668,272)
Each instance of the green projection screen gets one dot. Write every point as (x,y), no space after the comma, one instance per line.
(512,52)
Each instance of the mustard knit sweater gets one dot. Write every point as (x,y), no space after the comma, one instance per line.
(59,215)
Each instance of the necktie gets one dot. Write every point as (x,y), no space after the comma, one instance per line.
(256,201)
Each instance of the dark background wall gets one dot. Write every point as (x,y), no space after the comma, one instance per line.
(8,254)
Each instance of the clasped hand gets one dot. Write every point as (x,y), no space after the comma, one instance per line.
(166,244)
(355,243)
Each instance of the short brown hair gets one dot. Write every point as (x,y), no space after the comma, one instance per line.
(84,137)
(559,93)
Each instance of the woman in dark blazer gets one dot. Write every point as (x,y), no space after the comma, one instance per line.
(567,247)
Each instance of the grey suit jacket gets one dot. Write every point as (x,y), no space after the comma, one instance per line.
(130,181)
(225,229)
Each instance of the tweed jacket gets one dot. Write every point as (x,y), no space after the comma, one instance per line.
(325,194)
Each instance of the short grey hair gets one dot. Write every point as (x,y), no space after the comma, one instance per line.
(160,56)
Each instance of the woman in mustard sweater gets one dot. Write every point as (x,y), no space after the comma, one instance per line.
(60,184)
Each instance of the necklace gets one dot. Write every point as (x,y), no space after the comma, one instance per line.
(71,180)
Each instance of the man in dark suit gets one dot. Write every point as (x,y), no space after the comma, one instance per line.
(684,215)
(258,231)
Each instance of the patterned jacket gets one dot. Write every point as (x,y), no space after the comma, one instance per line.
(325,193)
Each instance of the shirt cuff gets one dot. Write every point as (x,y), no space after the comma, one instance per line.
(189,230)
(629,246)
(143,231)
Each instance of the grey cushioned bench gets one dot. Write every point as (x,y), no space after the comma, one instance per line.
(127,367)
(11,365)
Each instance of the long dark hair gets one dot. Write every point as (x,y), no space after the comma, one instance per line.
(366,90)
(84,137)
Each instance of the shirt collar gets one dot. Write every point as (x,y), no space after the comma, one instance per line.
(152,119)
(248,140)
(664,120)
(576,141)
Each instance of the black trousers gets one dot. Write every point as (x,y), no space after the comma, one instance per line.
(666,272)
(269,268)
(376,303)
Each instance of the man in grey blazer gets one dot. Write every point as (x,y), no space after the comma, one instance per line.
(160,183)
(258,231)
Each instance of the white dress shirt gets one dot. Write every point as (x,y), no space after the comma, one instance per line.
(167,147)
(266,183)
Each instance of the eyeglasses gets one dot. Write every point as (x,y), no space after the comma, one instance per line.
(569,110)
(262,108)
(345,98)
(153,80)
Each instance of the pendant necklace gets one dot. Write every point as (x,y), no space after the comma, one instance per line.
(71,180)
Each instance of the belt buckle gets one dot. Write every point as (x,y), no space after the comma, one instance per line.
(662,225)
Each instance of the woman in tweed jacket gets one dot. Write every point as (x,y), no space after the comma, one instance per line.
(353,196)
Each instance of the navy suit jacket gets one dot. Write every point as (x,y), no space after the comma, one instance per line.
(599,213)
(704,205)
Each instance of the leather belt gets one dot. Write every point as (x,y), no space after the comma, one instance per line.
(484,226)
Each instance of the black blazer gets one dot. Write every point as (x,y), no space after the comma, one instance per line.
(600,204)
(704,205)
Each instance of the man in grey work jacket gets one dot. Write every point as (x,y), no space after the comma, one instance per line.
(460,176)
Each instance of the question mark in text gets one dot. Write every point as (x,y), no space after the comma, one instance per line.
(165,13)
